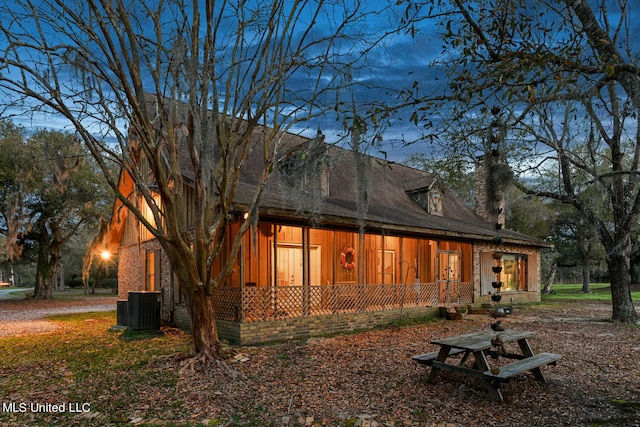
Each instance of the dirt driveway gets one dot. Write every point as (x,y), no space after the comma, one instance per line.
(21,316)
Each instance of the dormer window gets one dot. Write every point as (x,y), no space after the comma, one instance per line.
(429,197)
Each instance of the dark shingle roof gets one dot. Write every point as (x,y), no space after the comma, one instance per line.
(389,207)
(292,192)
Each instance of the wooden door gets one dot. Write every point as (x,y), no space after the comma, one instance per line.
(448,277)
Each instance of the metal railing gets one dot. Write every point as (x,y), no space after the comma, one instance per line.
(262,303)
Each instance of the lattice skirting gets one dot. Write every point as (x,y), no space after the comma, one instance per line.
(259,304)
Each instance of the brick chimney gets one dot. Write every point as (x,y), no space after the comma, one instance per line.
(490,197)
(493,174)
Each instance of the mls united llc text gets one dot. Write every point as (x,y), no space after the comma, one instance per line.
(45,407)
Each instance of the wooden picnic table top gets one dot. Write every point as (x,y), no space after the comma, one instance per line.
(481,340)
(477,343)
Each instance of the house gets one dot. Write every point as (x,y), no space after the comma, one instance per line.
(344,241)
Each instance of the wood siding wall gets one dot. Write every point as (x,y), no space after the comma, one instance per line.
(321,250)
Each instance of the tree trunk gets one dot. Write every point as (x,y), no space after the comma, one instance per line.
(47,274)
(623,309)
(61,282)
(586,275)
(634,261)
(43,290)
(49,259)
(550,278)
(204,331)
(44,284)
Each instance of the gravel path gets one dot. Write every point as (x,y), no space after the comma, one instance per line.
(22,317)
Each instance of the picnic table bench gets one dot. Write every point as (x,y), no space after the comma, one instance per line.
(479,344)
(428,358)
(532,364)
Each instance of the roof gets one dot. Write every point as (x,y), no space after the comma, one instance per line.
(294,192)
(385,200)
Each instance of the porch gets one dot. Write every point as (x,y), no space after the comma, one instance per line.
(266,303)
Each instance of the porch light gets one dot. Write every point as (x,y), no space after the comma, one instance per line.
(105,255)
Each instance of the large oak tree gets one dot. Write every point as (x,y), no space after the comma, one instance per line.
(560,83)
(50,191)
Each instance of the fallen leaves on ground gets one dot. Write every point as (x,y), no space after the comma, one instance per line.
(371,373)
(362,379)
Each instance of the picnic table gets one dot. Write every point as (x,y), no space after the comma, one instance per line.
(480,345)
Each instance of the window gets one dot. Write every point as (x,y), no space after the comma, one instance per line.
(386,266)
(289,265)
(152,270)
(514,272)
(448,277)
(148,214)
(289,271)
(435,201)
(449,265)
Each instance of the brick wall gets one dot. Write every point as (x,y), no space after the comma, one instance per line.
(130,270)
(131,274)
(250,333)
(181,317)
(299,328)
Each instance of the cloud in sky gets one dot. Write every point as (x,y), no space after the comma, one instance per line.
(392,65)
(395,64)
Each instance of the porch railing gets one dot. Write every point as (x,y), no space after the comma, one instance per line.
(262,303)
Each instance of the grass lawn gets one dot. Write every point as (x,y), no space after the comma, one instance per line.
(573,292)
(83,365)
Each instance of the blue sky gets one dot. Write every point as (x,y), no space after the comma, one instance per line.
(396,63)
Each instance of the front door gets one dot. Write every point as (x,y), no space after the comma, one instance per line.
(448,277)
(292,291)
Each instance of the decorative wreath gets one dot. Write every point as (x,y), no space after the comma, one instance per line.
(348,258)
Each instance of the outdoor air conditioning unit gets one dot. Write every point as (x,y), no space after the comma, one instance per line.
(143,310)
(122,312)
